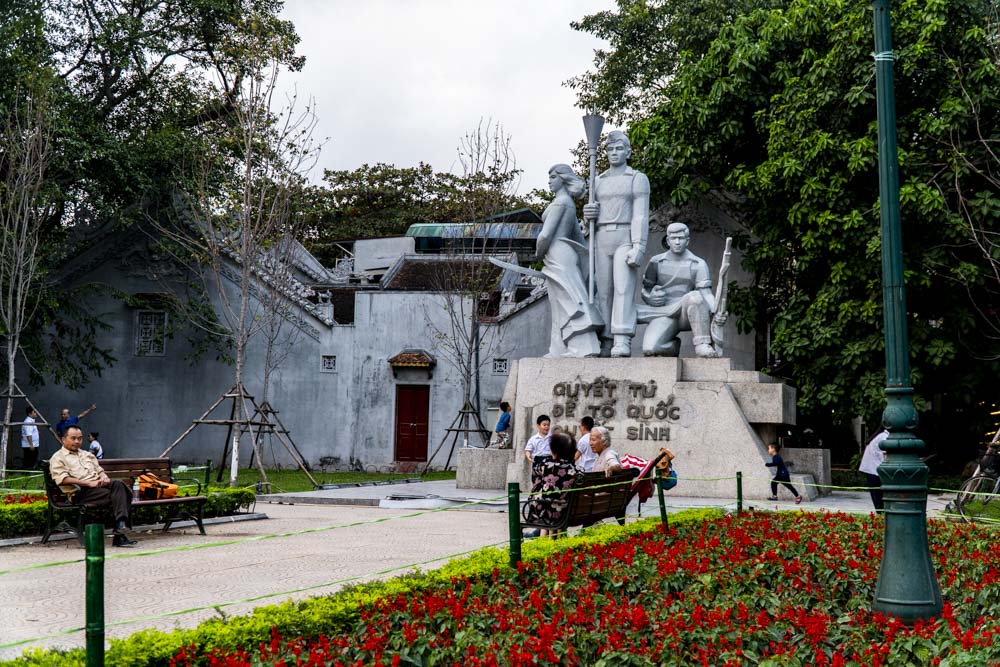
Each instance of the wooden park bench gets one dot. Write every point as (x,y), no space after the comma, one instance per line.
(595,497)
(126,470)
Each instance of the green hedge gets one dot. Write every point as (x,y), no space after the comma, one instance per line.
(19,520)
(330,614)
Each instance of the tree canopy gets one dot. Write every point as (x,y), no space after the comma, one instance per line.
(138,89)
(779,110)
(384,200)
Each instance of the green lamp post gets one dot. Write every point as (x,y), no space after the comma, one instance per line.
(907,585)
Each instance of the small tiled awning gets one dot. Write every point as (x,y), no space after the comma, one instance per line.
(416,359)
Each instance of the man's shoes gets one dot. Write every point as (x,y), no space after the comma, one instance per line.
(531,532)
(121,540)
(772,497)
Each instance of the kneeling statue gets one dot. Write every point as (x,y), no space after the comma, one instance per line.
(677,291)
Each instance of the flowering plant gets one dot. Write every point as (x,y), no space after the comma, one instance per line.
(757,589)
(22,499)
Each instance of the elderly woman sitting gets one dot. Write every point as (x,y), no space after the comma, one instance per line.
(559,473)
(608,460)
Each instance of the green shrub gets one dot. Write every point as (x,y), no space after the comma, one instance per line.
(22,519)
(333,613)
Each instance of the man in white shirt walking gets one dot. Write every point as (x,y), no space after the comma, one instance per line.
(29,440)
(870,461)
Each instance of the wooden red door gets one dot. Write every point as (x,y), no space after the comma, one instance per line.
(412,401)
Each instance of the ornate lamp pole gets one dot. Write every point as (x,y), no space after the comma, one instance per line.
(907,586)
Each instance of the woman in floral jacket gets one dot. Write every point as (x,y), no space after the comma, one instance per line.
(557,474)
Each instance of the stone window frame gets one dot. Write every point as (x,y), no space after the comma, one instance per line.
(324,367)
(146,346)
(501,366)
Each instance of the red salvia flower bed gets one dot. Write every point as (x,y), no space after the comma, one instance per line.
(21,499)
(758,589)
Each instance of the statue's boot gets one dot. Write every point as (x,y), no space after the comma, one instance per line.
(706,350)
(622,346)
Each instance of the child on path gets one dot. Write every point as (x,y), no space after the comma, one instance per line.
(538,450)
(780,473)
(94,445)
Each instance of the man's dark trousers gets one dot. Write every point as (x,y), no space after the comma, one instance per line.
(119,495)
(875,489)
(30,461)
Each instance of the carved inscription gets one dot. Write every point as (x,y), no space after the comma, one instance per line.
(610,400)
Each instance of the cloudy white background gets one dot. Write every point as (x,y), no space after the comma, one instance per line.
(401,81)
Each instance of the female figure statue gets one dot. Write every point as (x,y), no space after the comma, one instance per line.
(575,320)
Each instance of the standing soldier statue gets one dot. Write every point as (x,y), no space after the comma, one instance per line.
(621,214)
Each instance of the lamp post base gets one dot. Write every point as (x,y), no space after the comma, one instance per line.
(907,585)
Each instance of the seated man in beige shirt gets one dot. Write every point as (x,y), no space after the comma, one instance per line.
(70,466)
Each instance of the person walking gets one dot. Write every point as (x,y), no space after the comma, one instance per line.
(870,461)
(781,473)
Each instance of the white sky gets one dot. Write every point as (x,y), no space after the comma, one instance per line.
(401,81)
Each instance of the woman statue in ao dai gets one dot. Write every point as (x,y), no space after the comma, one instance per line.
(575,320)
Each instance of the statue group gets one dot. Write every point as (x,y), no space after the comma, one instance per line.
(597,315)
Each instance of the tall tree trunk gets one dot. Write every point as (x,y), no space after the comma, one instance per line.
(241,352)
(8,407)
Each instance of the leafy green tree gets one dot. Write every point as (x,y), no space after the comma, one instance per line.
(139,89)
(648,40)
(384,200)
(779,113)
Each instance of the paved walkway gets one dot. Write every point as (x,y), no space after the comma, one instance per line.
(42,602)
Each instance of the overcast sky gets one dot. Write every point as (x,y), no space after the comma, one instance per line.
(401,81)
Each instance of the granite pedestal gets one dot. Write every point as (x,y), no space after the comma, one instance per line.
(715,419)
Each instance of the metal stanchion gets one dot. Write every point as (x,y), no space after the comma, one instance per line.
(514,521)
(94,544)
(659,495)
(739,492)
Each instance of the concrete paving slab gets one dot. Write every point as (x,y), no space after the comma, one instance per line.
(444,493)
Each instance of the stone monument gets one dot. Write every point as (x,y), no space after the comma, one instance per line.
(717,420)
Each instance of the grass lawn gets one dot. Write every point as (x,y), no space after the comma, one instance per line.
(295,480)
(281,480)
